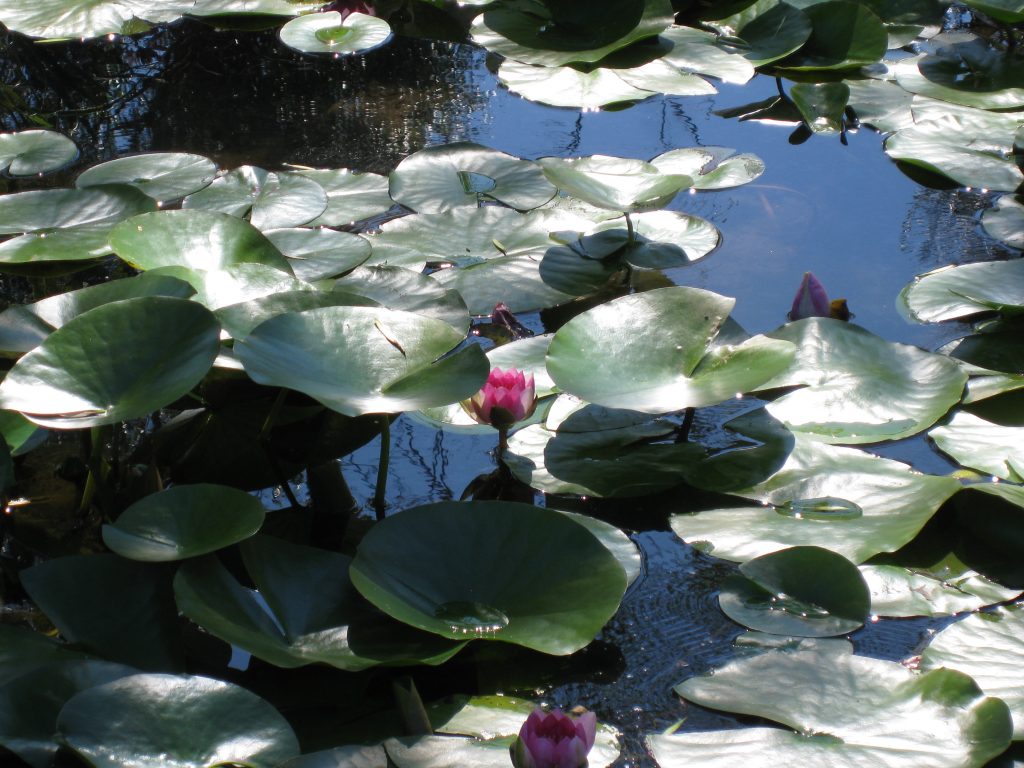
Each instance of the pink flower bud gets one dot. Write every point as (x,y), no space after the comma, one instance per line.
(810,300)
(507,397)
(554,740)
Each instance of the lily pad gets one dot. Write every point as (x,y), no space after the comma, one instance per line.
(982,445)
(971,73)
(1006,221)
(954,292)
(119,609)
(271,200)
(614,183)
(775,595)
(351,196)
(621,355)
(894,502)
(184,521)
(193,239)
(900,592)
(235,283)
(711,167)
(695,50)
(119,361)
(49,209)
(239,319)
(306,611)
(27,153)
(397,288)
(851,711)
(352,756)
(844,35)
(164,176)
(822,105)
(329,33)
(447,176)
(83,18)
(769,31)
(317,254)
(464,559)
(858,388)
(181,721)
(59,251)
(986,646)
(359,360)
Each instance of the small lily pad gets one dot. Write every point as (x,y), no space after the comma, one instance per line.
(27,153)
(614,183)
(328,33)
(990,448)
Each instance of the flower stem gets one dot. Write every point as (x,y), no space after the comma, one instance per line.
(380,493)
(502,443)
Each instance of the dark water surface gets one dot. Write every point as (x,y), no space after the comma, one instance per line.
(847,213)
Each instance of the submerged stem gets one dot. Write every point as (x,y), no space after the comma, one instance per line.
(380,493)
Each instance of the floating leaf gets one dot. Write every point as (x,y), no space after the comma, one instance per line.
(695,50)
(49,209)
(901,592)
(329,33)
(317,254)
(464,558)
(164,176)
(185,721)
(351,196)
(971,73)
(271,200)
(27,153)
(844,35)
(614,183)
(1006,221)
(953,292)
(397,288)
(822,105)
(984,446)
(711,167)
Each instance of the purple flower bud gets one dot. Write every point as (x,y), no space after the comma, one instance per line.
(507,397)
(554,740)
(810,300)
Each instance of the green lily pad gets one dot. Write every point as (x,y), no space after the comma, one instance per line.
(999,348)
(1006,221)
(181,721)
(954,292)
(271,200)
(621,354)
(970,73)
(118,361)
(597,452)
(614,183)
(895,503)
(193,239)
(859,388)
(465,560)
(184,521)
(351,196)
(881,104)
(235,283)
(55,252)
(711,167)
(26,326)
(397,288)
(661,239)
(1007,11)
(239,319)
(521,34)
(30,703)
(804,591)
(359,360)
(328,33)
(901,592)
(852,711)
(437,179)
(982,445)
(988,647)
(82,18)
(164,176)
(49,209)
(844,35)
(769,31)
(27,153)
(252,7)
(822,105)
(119,609)
(695,50)
(309,612)
(318,254)
(23,650)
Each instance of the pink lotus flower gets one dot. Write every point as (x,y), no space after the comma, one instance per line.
(554,740)
(507,397)
(810,300)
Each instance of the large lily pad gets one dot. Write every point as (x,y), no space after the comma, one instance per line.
(184,521)
(968,72)
(859,388)
(119,361)
(360,360)
(1006,221)
(397,288)
(982,445)
(847,711)
(614,183)
(329,33)
(622,355)
(775,594)
(179,721)
(953,292)
(711,167)
(116,608)
(27,153)
(84,18)
(695,50)
(23,649)
(988,647)
(447,176)
(940,590)
(306,611)
(239,319)
(235,283)
(193,239)
(890,504)
(351,196)
(768,30)
(465,560)
(661,239)
(844,35)
(317,254)
(48,209)
(271,200)
(164,176)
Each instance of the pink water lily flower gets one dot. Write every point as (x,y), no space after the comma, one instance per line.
(810,300)
(507,397)
(554,740)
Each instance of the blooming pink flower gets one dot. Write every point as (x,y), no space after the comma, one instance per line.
(554,740)
(810,300)
(507,397)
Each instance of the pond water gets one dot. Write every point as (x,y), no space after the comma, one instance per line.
(845,212)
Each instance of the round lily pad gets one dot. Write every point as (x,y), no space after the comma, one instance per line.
(694,50)
(317,254)
(1006,221)
(181,721)
(27,153)
(953,292)
(991,448)
(351,196)
(802,591)
(466,560)
(119,361)
(48,209)
(397,288)
(164,176)
(184,521)
(328,33)
(844,35)
(614,183)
